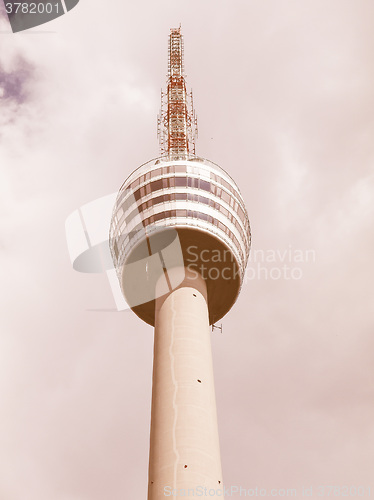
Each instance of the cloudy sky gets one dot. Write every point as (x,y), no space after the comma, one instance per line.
(284,97)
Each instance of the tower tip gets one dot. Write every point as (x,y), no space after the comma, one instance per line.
(177,124)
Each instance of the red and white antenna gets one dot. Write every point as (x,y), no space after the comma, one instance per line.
(177,123)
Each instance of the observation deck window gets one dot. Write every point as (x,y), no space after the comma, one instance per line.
(225,197)
(181,181)
(115,246)
(224,211)
(156,185)
(137,195)
(148,175)
(181,196)
(205,185)
(217,191)
(139,229)
(204,200)
(135,183)
(225,184)
(159,216)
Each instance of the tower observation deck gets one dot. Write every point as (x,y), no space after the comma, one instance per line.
(180,241)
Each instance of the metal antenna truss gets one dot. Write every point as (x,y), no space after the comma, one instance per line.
(177,123)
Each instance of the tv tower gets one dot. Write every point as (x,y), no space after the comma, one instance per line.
(180,241)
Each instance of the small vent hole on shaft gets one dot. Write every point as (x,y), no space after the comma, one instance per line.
(185,466)
(199,381)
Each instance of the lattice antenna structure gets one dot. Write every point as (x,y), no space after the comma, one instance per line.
(177,123)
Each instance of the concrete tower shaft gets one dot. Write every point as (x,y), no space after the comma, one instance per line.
(184,444)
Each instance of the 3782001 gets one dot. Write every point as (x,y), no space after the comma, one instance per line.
(32,8)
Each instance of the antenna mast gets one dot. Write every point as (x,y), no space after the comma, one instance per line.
(177,123)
